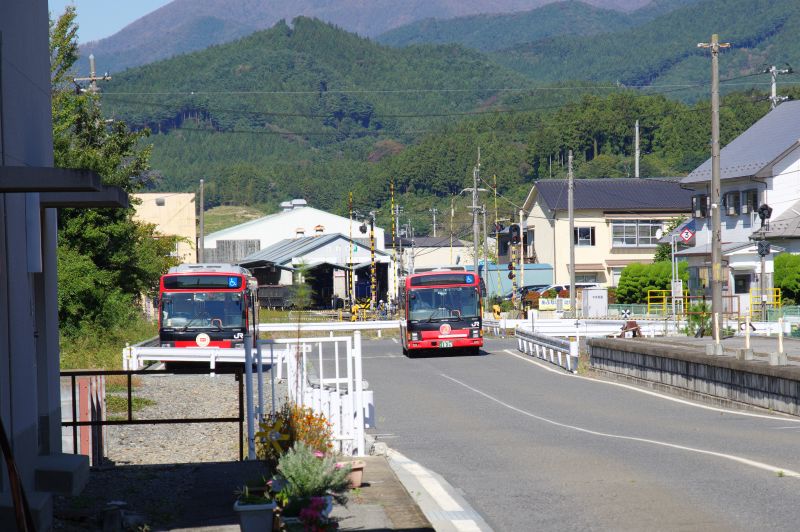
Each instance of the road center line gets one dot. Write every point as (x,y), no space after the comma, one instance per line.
(652,393)
(745,461)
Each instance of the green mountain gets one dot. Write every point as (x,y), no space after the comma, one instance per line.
(664,50)
(495,32)
(491,32)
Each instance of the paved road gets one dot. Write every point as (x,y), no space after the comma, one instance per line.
(536,449)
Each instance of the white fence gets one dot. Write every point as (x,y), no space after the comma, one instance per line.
(330,385)
(555,350)
(571,327)
(331,326)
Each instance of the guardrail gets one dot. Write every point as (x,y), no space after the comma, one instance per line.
(331,326)
(564,353)
(581,327)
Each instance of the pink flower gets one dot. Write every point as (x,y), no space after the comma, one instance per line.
(319,454)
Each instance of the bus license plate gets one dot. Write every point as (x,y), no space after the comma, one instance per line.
(445,343)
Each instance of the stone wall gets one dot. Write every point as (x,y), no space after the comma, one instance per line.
(750,382)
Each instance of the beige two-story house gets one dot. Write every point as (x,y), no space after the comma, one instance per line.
(617,222)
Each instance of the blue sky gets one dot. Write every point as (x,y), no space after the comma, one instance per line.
(101,18)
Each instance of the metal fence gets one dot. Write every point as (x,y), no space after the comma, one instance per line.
(77,421)
(564,353)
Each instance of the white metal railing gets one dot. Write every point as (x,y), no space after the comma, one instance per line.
(583,327)
(565,353)
(337,393)
(341,398)
(331,326)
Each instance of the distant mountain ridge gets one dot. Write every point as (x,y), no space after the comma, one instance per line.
(188,25)
(490,32)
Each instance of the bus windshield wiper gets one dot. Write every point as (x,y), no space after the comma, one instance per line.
(430,318)
(189,323)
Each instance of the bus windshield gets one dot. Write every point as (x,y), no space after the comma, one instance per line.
(202,310)
(432,304)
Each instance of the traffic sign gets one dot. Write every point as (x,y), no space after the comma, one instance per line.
(687,234)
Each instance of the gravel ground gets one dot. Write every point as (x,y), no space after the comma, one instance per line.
(153,468)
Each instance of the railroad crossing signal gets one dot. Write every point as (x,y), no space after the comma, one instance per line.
(626,313)
(686,235)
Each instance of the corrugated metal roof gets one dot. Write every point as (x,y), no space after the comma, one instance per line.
(629,194)
(284,251)
(759,146)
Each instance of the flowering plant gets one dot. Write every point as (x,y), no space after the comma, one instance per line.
(290,424)
(313,519)
(305,475)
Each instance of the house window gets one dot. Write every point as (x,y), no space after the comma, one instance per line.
(730,202)
(741,283)
(749,201)
(585,277)
(623,233)
(700,206)
(584,236)
(635,233)
(647,232)
(616,273)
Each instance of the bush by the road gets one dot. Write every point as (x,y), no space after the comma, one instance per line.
(637,279)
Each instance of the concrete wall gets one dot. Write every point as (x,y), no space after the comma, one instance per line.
(173,214)
(752,383)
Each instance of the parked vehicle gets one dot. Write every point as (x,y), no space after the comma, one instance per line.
(560,287)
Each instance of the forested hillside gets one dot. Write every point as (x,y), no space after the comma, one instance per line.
(491,32)
(184,26)
(314,112)
(664,50)
(495,32)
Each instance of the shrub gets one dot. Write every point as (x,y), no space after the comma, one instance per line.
(638,279)
(307,473)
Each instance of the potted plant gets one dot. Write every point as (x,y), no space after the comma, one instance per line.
(254,509)
(308,478)
(356,472)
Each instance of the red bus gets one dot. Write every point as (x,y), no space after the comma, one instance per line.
(205,305)
(442,311)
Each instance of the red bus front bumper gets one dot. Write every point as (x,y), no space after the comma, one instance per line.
(436,343)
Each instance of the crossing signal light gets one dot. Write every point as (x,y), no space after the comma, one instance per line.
(511,275)
(515,235)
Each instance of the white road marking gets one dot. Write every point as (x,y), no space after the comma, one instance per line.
(654,394)
(745,461)
(395,340)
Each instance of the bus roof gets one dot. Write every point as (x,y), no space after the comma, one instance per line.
(441,278)
(209,268)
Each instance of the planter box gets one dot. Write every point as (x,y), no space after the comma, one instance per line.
(255,517)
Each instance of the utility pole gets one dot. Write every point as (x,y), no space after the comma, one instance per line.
(201,246)
(571,211)
(395,284)
(351,293)
(485,272)
(716,232)
(475,208)
(452,214)
(373,277)
(774,71)
(434,211)
(92,79)
(638,153)
(397,211)
(521,260)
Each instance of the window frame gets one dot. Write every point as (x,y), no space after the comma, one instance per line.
(588,241)
(632,235)
(700,203)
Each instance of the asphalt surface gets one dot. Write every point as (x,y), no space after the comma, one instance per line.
(536,449)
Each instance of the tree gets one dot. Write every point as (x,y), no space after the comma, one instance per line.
(787,275)
(664,251)
(638,279)
(106,259)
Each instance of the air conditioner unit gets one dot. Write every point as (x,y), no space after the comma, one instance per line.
(731,211)
(745,209)
(698,214)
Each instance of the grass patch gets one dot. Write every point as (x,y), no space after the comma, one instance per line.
(226,216)
(102,349)
(117,404)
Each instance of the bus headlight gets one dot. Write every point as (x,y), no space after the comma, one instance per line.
(475,333)
(415,336)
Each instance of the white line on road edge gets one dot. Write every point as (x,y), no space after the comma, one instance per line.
(752,463)
(438,500)
(395,340)
(654,394)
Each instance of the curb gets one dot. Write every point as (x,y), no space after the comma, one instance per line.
(439,501)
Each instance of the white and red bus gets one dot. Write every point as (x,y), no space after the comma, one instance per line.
(206,305)
(441,310)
